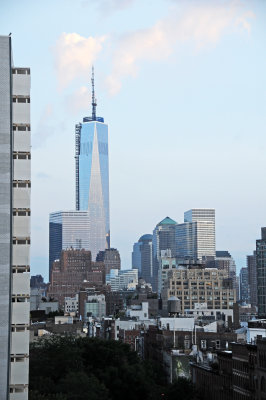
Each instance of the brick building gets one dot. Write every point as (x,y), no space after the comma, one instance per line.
(239,374)
(71,272)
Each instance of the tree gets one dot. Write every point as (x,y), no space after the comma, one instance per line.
(68,368)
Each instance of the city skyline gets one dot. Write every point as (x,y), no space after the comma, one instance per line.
(185,107)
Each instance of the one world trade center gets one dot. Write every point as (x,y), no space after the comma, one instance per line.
(92,176)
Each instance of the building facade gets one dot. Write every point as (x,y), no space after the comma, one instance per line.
(194,286)
(252,278)
(15,184)
(244,286)
(67,229)
(92,177)
(142,258)
(68,273)
(110,258)
(261,273)
(195,238)
(163,240)
(126,279)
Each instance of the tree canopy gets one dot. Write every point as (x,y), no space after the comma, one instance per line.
(68,368)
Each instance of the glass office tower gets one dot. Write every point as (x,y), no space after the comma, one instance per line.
(92,177)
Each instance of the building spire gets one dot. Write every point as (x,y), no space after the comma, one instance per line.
(93,99)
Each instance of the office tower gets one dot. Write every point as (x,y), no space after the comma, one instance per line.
(244,286)
(195,238)
(14,225)
(142,257)
(110,258)
(261,273)
(67,229)
(163,239)
(92,176)
(252,278)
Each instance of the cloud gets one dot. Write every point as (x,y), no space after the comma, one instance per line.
(201,24)
(74,55)
(78,100)
(107,7)
(43,129)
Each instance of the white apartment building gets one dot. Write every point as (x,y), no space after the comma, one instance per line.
(72,304)
(15,184)
(126,279)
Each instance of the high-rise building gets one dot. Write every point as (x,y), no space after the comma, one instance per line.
(195,238)
(67,229)
(110,258)
(15,183)
(92,177)
(142,257)
(252,278)
(244,286)
(261,273)
(163,239)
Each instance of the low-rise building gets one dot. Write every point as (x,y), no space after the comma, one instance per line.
(201,285)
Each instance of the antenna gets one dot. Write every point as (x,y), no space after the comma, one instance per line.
(93,99)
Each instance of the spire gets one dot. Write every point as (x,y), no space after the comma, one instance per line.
(93,99)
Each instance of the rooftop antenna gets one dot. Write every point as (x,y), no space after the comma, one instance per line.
(93,100)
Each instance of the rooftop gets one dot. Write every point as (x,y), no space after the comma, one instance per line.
(167,221)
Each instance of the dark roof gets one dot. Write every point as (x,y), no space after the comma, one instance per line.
(147,236)
(223,253)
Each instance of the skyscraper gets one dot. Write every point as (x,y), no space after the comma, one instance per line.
(261,273)
(142,257)
(163,239)
(244,286)
(92,176)
(195,238)
(252,278)
(15,189)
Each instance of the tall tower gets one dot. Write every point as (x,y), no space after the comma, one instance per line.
(92,176)
(261,273)
(163,241)
(195,238)
(15,190)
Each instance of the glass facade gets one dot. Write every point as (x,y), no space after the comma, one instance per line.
(92,180)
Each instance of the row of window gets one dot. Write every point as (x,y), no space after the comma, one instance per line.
(21,212)
(21,241)
(21,184)
(21,71)
(21,99)
(21,127)
(20,155)
(19,269)
(20,328)
(20,299)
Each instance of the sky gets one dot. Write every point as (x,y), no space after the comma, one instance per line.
(181,84)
